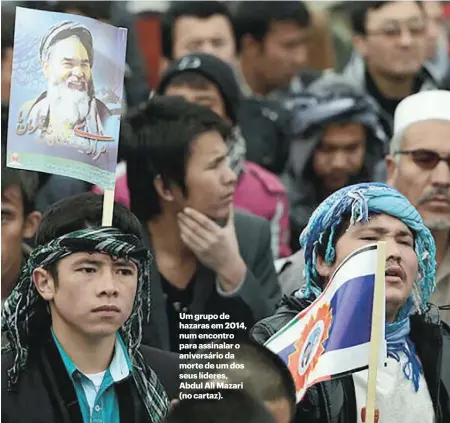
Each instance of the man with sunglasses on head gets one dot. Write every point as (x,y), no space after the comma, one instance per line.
(419,167)
(390,52)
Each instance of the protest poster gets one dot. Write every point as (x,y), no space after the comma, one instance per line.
(332,337)
(66,96)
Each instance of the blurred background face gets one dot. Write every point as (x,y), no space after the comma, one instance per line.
(207,95)
(210,182)
(7,61)
(394,44)
(435,26)
(340,155)
(12,227)
(213,35)
(16,226)
(426,186)
(282,53)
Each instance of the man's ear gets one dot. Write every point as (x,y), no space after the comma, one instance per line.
(31,225)
(163,190)
(360,44)
(323,269)
(44,283)
(391,168)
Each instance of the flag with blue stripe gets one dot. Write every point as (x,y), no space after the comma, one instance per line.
(331,337)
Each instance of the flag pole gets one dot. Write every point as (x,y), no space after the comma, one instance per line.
(108,207)
(376,331)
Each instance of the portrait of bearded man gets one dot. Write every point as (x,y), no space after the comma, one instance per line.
(67,56)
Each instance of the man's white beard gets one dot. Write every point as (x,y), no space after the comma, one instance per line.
(437,224)
(66,104)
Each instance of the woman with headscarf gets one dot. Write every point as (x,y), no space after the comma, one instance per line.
(74,324)
(414,385)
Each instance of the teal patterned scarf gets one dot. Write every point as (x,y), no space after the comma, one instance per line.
(25,309)
(360,202)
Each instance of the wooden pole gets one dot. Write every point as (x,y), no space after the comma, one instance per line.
(108,207)
(378,320)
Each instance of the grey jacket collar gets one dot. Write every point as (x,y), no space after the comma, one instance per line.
(356,71)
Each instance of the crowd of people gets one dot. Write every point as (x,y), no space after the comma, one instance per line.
(244,179)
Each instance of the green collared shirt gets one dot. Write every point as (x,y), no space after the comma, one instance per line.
(105,405)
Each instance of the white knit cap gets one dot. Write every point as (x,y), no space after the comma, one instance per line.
(425,105)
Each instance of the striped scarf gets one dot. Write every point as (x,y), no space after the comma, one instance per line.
(25,310)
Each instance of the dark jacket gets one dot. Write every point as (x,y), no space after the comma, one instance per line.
(266,122)
(265,126)
(256,299)
(334,401)
(356,71)
(330,99)
(45,392)
(303,187)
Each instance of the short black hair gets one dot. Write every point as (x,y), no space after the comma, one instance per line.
(359,10)
(80,212)
(158,142)
(236,406)
(178,9)
(26,180)
(264,374)
(254,18)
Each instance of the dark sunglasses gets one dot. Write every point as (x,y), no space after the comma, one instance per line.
(426,159)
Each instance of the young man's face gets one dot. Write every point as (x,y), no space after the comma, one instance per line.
(210,182)
(208,96)
(93,294)
(282,53)
(424,181)
(340,155)
(213,35)
(15,227)
(401,258)
(394,45)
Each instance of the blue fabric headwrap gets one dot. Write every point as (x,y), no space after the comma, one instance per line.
(359,202)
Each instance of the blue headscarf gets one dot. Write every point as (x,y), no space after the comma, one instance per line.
(359,202)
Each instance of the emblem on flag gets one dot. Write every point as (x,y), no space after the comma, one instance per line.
(331,337)
(309,346)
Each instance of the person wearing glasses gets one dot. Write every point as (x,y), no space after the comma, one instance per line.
(419,167)
(390,53)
